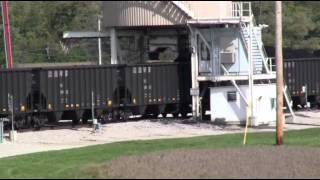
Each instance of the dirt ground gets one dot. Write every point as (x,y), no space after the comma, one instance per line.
(68,137)
(246,162)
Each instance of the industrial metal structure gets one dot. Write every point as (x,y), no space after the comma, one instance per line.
(152,44)
(221,39)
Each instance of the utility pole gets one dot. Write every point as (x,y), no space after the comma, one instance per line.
(6,33)
(99,40)
(279,63)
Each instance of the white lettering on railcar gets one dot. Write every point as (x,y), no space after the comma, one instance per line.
(50,74)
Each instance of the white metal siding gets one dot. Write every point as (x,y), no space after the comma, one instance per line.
(235,112)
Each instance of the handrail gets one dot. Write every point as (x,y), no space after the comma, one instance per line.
(235,85)
(272,65)
(243,37)
(261,47)
(238,9)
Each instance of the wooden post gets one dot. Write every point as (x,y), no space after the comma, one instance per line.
(279,63)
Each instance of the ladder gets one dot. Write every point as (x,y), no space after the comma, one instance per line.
(288,101)
(257,50)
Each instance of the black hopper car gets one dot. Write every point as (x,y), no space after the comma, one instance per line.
(46,95)
(299,73)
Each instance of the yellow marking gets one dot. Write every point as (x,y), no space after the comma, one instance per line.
(247,125)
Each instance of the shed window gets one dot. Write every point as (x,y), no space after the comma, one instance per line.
(232,96)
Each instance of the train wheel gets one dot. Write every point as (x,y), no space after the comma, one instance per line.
(52,117)
(155,115)
(84,120)
(17,125)
(28,122)
(123,115)
(175,115)
(145,116)
(116,116)
(184,115)
(36,123)
(107,117)
(110,117)
(86,116)
(75,121)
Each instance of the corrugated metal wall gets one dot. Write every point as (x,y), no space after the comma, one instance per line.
(160,13)
(141,13)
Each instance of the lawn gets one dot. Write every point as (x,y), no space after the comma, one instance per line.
(73,163)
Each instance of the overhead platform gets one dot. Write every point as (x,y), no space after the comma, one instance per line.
(79,34)
(236,78)
(226,20)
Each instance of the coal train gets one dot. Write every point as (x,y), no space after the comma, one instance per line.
(45,95)
(302,76)
(114,92)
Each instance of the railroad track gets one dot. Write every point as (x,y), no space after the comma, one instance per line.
(67,124)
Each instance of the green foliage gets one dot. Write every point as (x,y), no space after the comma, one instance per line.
(73,163)
(301,23)
(37,28)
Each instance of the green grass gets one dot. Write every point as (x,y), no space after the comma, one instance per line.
(73,163)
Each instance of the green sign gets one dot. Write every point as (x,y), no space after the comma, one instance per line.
(273,103)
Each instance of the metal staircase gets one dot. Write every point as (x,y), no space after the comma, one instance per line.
(243,11)
(182,6)
(258,54)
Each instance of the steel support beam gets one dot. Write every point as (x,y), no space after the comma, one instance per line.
(236,86)
(195,73)
(114,46)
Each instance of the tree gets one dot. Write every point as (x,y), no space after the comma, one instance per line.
(37,28)
(300,23)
